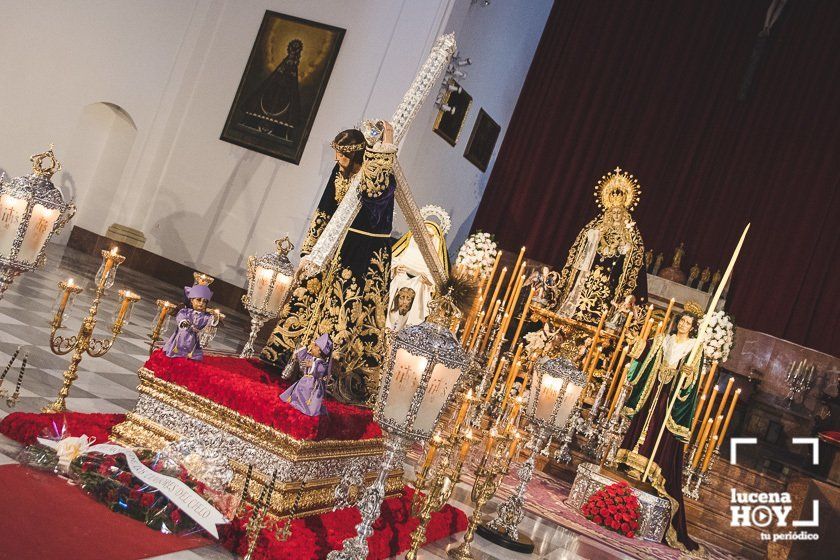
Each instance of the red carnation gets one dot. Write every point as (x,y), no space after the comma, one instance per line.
(604,512)
(597,519)
(612,509)
(625,527)
(630,535)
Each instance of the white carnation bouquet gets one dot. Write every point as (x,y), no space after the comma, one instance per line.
(719,337)
(477,254)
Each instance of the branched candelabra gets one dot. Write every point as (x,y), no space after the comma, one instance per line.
(800,379)
(494,464)
(83,342)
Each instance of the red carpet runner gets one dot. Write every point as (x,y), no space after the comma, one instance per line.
(89,526)
(44,518)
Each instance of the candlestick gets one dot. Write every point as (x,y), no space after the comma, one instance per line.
(109,258)
(615,373)
(522,318)
(722,403)
(710,451)
(462,412)
(620,341)
(667,315)
(514,370)
(492,386)
(709,405)
(499,283)
(514,444)
(593,364)
(514,274)
(84,342)
(434,443)
(648,314)
(468,325)
(707,426)
(465,446)
(476,330)
(511,305)
(490,277)
(618,393)
(725,427)
(698,408)
(489,324)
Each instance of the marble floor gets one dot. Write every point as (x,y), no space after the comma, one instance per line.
(108,384)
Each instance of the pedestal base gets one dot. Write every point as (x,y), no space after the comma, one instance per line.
(523,544)
(654,512)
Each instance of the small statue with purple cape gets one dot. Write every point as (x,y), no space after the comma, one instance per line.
(307,393)
(189,322)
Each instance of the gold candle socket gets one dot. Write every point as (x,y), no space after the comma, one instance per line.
(84,342)
(165,309)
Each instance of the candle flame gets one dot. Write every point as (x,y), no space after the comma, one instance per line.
(69,281)
(114,250)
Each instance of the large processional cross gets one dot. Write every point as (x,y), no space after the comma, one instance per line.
(334,232)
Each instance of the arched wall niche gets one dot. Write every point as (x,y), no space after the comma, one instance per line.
(102,141)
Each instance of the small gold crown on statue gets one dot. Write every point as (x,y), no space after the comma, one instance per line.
(693,308)
(201,278)
(619,188)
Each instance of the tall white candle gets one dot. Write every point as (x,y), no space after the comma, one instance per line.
(40,225)
(11,213)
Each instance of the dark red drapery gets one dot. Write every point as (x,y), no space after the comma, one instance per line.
(652,86)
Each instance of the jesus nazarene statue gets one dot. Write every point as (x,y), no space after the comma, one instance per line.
(348,299)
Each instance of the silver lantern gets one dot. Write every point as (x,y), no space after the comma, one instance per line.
(269,279)
(424,365)
(32,210)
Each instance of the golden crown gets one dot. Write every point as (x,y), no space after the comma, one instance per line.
(693,308)
(347,148)
(618,182)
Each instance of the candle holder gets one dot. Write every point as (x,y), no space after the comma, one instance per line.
(494,464)
(269,279)
(800,379)
(616,427)
(696,476)
(32,210)
(83,342)
(161,322)
(433,492)
(503,530)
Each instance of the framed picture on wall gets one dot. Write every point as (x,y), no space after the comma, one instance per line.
(482,140)
(282,86)
(448,123)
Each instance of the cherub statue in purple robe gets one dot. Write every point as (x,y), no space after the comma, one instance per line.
(307,393)
(189,322)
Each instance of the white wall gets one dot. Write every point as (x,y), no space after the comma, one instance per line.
(174,66)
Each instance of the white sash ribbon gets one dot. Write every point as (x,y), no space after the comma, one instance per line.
(178,493)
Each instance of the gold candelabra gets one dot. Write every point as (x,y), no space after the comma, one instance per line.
(433,492)
(502,445)
(83,342)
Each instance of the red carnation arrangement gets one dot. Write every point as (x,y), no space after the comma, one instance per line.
(614,507)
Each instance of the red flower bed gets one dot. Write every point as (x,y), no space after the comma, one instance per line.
(253,389)
(25,427)
(614,507)
(314,537)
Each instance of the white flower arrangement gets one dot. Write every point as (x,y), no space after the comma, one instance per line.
(477,254)
(719,337)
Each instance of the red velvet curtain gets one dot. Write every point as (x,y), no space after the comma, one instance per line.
(652,86)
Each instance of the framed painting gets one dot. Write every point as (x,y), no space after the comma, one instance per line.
(282,86)
(482,140)
(448,123)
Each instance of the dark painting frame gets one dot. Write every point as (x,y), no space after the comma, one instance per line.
(282,86)
(448,125)
(482,142)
